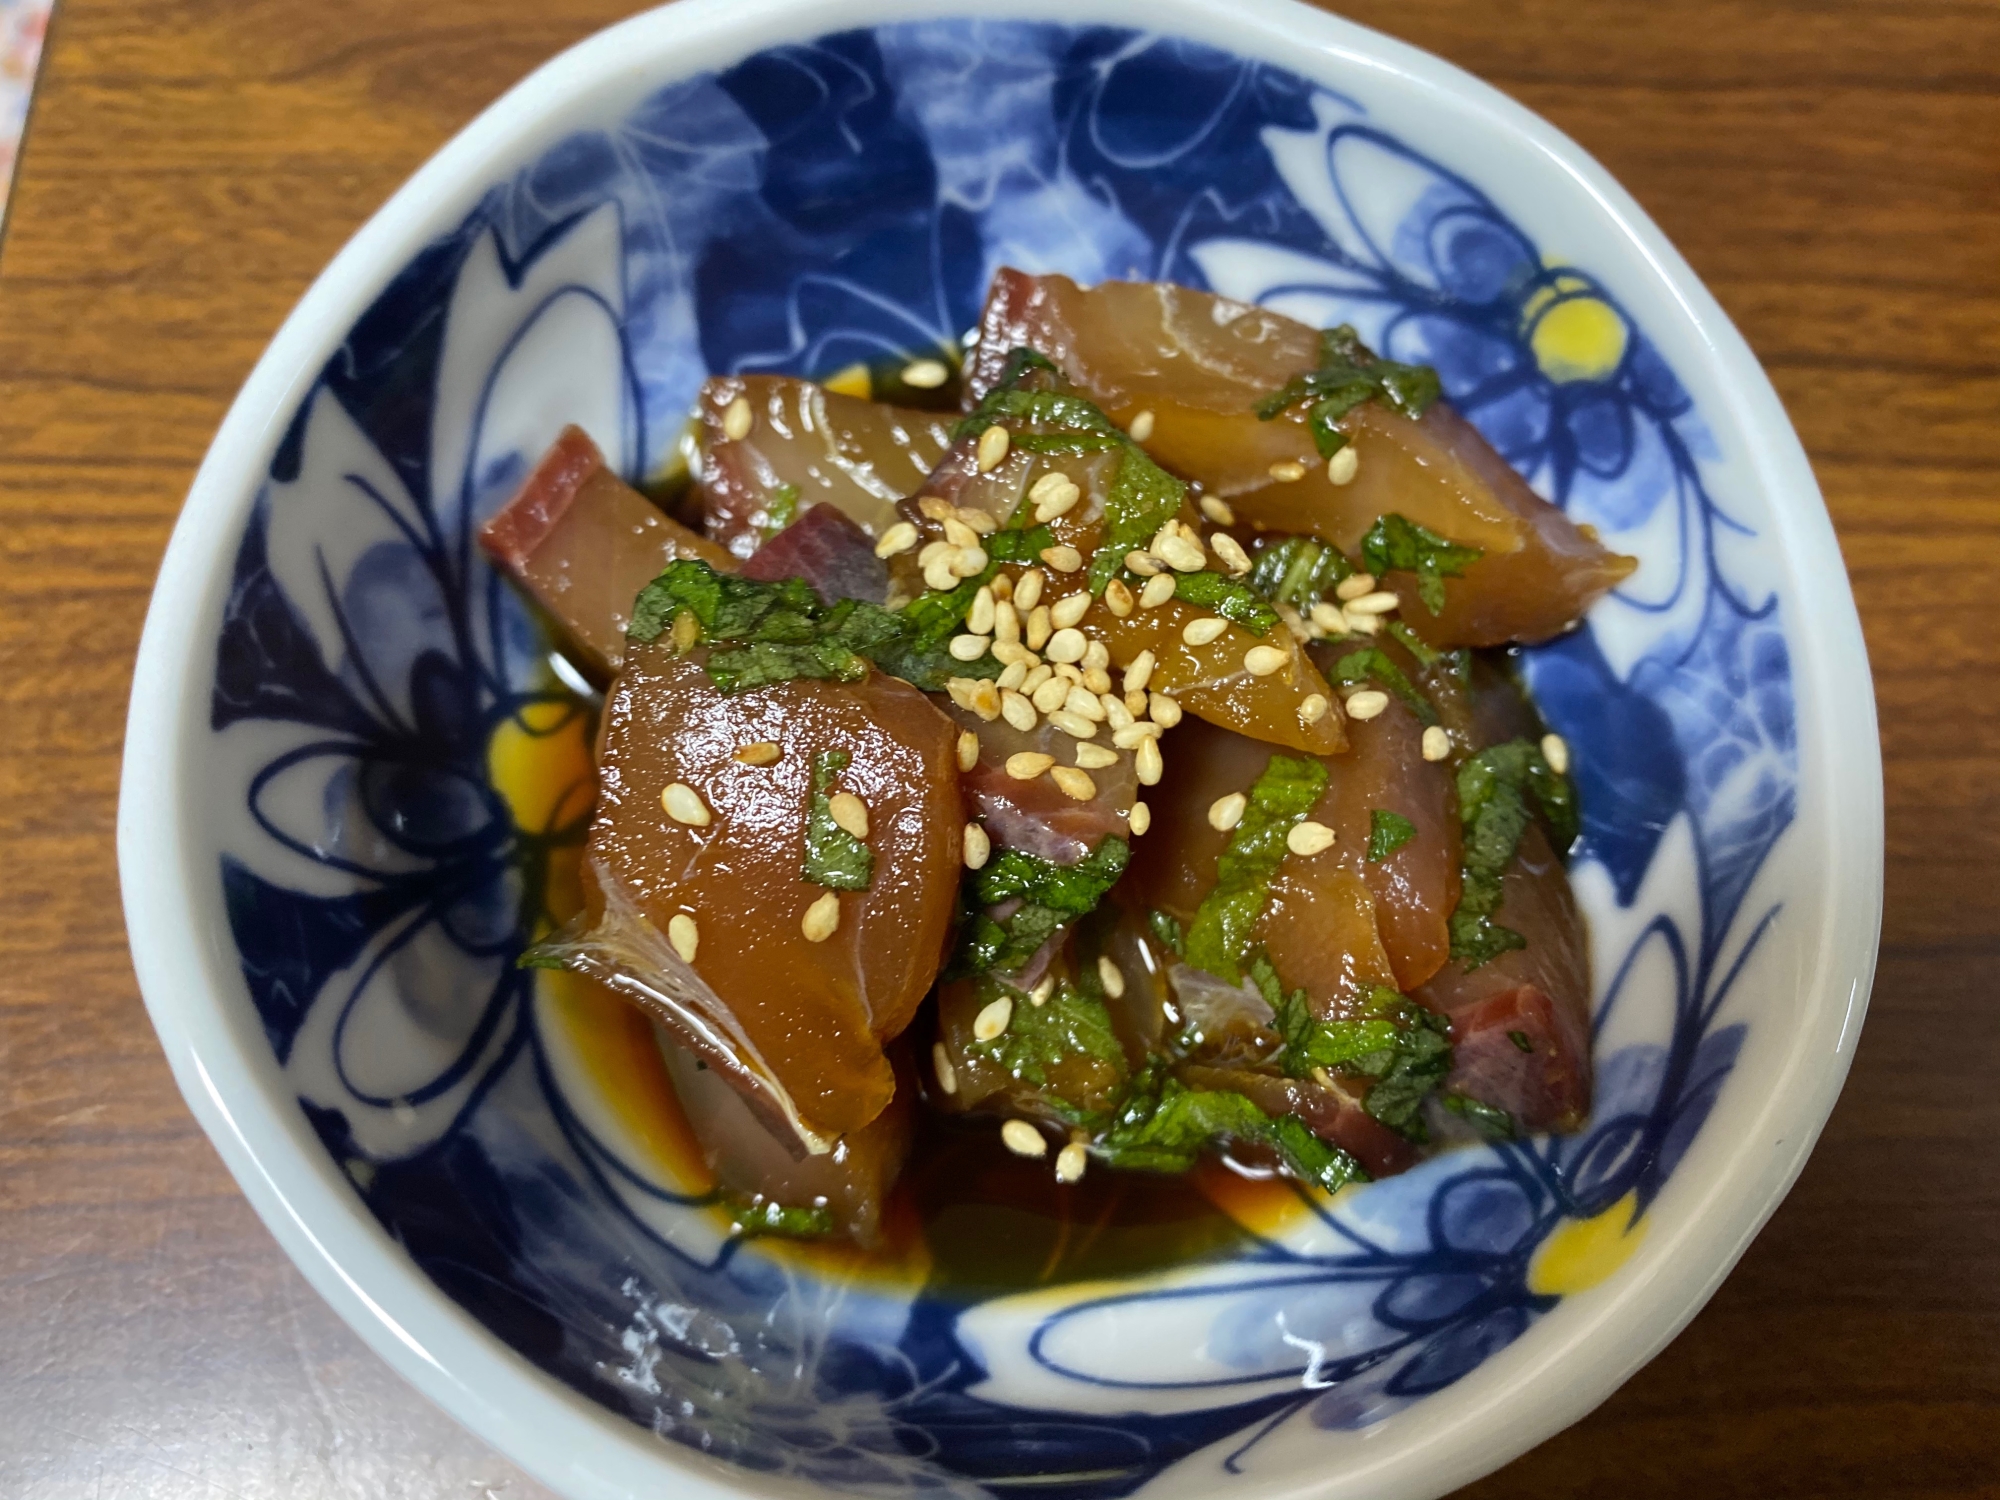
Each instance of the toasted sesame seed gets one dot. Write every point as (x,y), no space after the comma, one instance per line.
(1039,995)
(1026,765)
(763,753)
(1047,484)
(930,552)
(958,533)
(978,846)
(1140,818)
(1288,472)
(684,935)
(1055,500)
(986,700)
(1095,757)
(931,508)
(1003,588)
(897,540)
(979,618)
(968,750)
(1157,591)
(1262,661)
(968,647)
(1361,624)
(1132,735)
(1081,701)
(1063,558)
(1342,466)
(1218,510)
(1437,743)
(1073,1159)
(992,449)
(737,419)
(1328,618)
(978,520)
(1142,427)
(1181,554)
(1040,627)
(1018,711)
(1309,838)
(684,805)
(1231,552)
(1023,1139)
(992,1019)
(1367,703)
(1135,702)
(1028,589)
(1067,645)
(1116,714)
(938,573)
(1075,783)
(1142,563)
(1354,586)
(966,693)
(1140,672)
(1067,611)
(1379,602)
(687,630)
(1203,629)
(1146,760)
(850,812)
(969,562)
(1038,674)
(1312,708)
(1097,658)
(1224,813)
(1118,598)
(1074,725)
(947,1075)
(1166,711)
(925,374)
(1016,659)
(822,918)
(1555,750)
(1049,696)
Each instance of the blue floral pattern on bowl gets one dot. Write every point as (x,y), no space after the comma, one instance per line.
(845,201)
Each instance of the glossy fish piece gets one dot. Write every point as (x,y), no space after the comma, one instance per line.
(1056,1086)
(581,543)
(1201,363)
(860,456)
(798,1025)
(1329,1111)
(828,551)
(1038,817)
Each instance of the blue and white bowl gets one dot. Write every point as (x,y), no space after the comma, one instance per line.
(329,858)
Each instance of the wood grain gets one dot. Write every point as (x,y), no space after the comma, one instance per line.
(1831,169)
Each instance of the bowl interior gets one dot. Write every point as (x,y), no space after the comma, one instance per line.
(391,781)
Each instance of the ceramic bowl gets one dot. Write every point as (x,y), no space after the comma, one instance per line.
(345,783)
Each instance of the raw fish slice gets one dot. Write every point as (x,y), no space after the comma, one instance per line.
(1328,1110)
(859,456)
(581,543)
(1037,816)
(829,552)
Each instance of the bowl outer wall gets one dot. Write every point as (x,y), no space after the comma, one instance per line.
(188,971)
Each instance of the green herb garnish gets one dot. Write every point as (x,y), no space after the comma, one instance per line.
(1299,571)
(835,858)
(1167,931)
(1050,895)
(1521,1041)
(1349,374)
(1403,1046)
(1426,654)
(1231,598)
(1494,1124)
(1387,832)
(1163,1126)
(1396,543)
(755,1217)
(1372,663)
(1071,1023)
(780,510)
(1220,938)
(1493,791)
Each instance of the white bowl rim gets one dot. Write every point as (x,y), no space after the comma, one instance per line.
(582,1450)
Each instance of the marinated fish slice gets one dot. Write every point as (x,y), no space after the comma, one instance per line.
(1200,364)
(829,551)
(1058,1063)
(1036,815)
(815,445)
(805,1020)
(1328,1110)
(581,543)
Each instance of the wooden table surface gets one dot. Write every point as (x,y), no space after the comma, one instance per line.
(1831,169)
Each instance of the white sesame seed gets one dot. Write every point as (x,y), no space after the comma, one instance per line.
(1379,602)
(992,449)
(1039,995)
(1060,500)
(1073,1158)
(967,693)
(1361,624)
(1067,645)
(822,918)
(1342,466)
(1075,783)
(1166,711)
(968,647)
(1217,510)
(1076,726)
(1028,589)
(1097,658)
(1140,672)
(1181,554)
(978,846)
(1116,714)
(1555,750)
(947,1075)
(898,539)
(1367,703)
(684,805)
(958,533)
(979,618)
(1437,743)
(1118,598)
(1110,977)
(981,523)
(1146,760)
(1203,629)
(1080,700)
(1026,765)
(1328,618)
(1048,696)
(684,935)
(1142,427)
(1007,622)
(1040,627)
(1288,472)
(850,812)
(1231,552)
(1312,708)
(968,562)
(1140,818)
(763,753)
(1095,757)
(1158,590)
(1142,563)
(1133,735)
(1135,702)
(925,374)
(968,750)
(1354,586)
(737,419)
(993,1018)
(1224,813)
(1064,559)
(1038,674)
(1309,838)
(934,509)
(1023,1139)
(938,573)
(1067,611)
(1262,661)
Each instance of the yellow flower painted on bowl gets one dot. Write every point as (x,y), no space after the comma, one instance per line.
(1575,335)
(539,763)
(1582,1253)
